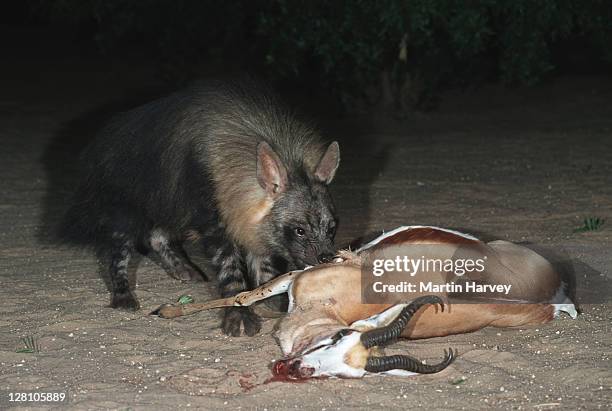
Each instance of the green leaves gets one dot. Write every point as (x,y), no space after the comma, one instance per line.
(459,381)
(30,346)
(185,299)
(590,224)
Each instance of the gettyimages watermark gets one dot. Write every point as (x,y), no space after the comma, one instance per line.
(411,267)
(464,273)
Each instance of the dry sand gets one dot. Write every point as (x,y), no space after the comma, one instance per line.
(523,166)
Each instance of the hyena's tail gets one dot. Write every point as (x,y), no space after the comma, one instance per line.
(277,286)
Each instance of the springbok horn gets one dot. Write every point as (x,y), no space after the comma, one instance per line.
(407,363)
(391,331)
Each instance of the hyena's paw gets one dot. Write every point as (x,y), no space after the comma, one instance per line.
(236,316)
(125,301)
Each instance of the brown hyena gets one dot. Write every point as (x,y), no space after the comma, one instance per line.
(223,162)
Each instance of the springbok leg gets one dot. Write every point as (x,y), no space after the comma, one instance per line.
(279,285)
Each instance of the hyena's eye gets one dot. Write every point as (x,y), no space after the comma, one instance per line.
(331,230)
(299,231)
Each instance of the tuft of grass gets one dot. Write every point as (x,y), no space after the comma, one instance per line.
(590,224)
(185,299)
(31,346)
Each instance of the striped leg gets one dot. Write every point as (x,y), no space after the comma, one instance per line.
(232,280)
(263,270)
(173,258)
(122,248)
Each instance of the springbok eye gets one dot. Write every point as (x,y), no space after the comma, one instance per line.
(300,232)
(341,334)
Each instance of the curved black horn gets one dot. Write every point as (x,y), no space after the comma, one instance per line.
(391,331)
(408,363)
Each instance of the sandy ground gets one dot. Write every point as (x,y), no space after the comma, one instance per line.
(519,165)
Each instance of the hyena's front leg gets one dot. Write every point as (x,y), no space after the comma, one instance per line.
(264,269)
(232,280)
(173,258)
(122,248)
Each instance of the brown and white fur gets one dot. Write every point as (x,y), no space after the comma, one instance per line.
(322,334)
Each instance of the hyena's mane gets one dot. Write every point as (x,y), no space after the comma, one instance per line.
(244,114)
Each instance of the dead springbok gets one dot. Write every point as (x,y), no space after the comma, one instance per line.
(330,332)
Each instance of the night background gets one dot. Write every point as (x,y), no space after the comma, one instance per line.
(397,54)
(493,117)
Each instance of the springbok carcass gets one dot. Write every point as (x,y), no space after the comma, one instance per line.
(331,331)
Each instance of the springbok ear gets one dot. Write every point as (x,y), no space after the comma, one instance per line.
(271,173)
(326,169)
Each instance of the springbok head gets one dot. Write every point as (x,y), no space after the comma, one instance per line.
(351,353)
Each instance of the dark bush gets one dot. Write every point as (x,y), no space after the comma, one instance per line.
(395,52)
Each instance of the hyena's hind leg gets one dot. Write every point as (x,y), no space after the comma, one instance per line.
(121,251)
(173,258)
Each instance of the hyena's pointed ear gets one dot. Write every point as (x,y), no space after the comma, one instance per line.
(326,169)
(271,172)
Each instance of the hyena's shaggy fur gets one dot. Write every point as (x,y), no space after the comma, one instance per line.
(226,163)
